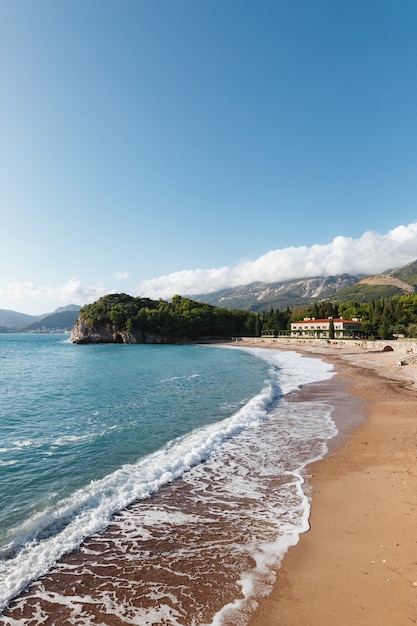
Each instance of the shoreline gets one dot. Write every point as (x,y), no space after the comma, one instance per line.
(358,562)
(184,554)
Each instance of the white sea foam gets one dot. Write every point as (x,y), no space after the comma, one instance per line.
(295,370)
(90,510)
(65,439)
(24,444)
(300,439)
(48,535)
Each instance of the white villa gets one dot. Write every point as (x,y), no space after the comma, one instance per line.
(312,327)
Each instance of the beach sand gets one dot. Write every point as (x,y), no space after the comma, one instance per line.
(358,563)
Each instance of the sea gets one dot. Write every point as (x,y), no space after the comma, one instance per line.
(151,484)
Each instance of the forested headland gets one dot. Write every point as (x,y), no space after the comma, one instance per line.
(184,319)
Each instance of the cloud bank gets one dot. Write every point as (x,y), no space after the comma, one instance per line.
(71,293)
(372,253)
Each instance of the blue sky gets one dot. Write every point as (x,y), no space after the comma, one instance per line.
(166,147)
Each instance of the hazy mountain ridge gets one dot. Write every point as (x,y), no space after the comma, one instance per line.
(13,319)
(62,318)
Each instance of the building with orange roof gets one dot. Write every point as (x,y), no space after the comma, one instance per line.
(320,328)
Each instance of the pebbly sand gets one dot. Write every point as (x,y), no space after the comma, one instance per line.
(358,563)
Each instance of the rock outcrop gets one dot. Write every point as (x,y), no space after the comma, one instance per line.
(84,333)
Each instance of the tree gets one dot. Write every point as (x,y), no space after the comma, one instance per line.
(331,328)
(412,330)
(257,326)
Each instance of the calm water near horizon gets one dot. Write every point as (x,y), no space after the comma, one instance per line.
(177,469)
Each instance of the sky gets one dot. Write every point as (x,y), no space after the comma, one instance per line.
(167,147)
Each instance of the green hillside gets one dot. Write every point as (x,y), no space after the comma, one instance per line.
(407,273)
(56,321)
(366,293)
(14,319)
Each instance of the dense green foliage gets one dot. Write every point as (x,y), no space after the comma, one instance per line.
(181,318)
(274,323)
(383,318)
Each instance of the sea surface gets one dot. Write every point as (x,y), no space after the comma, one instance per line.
(150,485)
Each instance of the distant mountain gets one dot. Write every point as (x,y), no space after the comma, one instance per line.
(63,318)
(260,296)
(64,309)
(13,319)
(392,283)
(407,273)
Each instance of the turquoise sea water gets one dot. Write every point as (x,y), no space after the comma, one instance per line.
(71,414)
(85,431)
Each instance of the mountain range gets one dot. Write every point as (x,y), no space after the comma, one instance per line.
(256,296)
(260,296)
(63,318)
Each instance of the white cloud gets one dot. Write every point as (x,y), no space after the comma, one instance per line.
(372,253)
(121,275)
(70,293)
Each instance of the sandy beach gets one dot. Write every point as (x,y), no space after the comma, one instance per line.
(358,563)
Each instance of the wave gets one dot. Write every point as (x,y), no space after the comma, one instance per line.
(36,545)
(45,537)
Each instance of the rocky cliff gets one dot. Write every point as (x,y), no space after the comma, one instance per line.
(85,333)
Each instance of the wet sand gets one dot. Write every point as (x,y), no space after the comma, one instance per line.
(358,563)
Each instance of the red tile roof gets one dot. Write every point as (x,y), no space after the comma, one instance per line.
(325,321)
